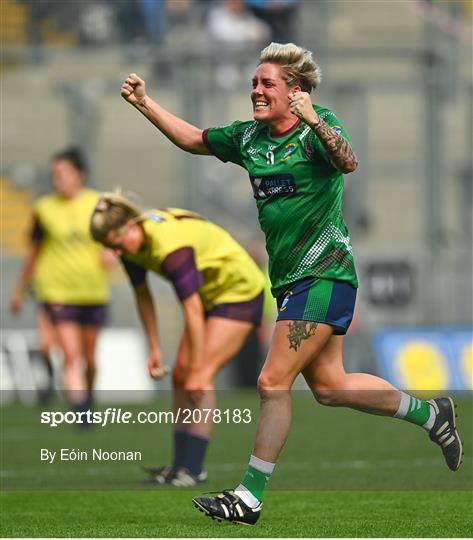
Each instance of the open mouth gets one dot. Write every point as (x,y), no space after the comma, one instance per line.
(259,105)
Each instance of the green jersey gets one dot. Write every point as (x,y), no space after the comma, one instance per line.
(298,193)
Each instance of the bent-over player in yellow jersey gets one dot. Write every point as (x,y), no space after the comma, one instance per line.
(195,254)
(220,289)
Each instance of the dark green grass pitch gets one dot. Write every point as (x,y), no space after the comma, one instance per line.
(342,473)
(287,514)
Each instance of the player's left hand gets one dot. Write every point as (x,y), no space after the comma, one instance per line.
(300,104)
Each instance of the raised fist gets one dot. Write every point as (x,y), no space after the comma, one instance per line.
(133,89)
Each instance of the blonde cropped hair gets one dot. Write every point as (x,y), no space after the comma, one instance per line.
(296,62)
(112,212)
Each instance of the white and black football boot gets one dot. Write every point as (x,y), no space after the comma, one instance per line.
(160,475)
(229,507)
(444,432)
(182,477)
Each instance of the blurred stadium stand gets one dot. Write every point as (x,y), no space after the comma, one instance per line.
(398,74)
(16,207)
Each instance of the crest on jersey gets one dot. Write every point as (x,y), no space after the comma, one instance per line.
(337,129)
(288,150)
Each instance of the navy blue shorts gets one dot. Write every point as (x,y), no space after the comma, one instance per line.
(85,315)
(319,300)
(249,311)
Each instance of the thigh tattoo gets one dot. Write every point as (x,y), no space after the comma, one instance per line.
(299,330)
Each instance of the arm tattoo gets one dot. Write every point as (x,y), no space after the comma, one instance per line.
(339,151)
(299,330)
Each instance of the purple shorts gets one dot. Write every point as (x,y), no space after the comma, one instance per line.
(250,311)
(85,315)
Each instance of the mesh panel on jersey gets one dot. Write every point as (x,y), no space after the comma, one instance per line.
(243,133)
(329,234)
(337,255)
(302,242)
(312,254)
(308,145)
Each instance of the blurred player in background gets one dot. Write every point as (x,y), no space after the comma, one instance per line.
(221,292)
(296,154)
(67,269)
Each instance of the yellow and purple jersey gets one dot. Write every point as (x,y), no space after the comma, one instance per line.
(69,269)
(194,255)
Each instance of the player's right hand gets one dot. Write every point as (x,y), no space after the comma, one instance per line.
(133,89)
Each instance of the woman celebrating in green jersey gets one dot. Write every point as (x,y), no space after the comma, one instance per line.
(296,154)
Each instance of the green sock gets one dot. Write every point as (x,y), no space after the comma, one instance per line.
(414,410)
(252,486)
(255,481)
